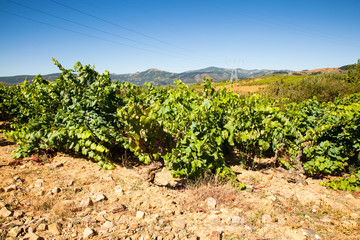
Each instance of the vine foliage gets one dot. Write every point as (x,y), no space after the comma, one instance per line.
(189,131)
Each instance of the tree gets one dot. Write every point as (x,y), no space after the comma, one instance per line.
(357,71)
(353,76)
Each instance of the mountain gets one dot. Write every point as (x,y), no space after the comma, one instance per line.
(21,78)
(153,76)
(159,77)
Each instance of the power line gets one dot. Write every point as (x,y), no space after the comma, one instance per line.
(89,27)
(73,31)
(125,28)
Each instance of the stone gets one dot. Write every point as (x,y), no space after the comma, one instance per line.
(88,233)
(216,212)
(116,207)
(140,214)
(349,196)
(100,218)
(85,202)
(2,190)
(211,203)
(55,190)
(107,225)
(236,220)
(30,230)
(31,236)
(106,178)
(77,189)
(98,197)
(87,219)
(308,232)
(18,179)
(123,227)
(248,228)
(70,183)
(41,227)
(2,204)
(326,219)
(216,220)
(266,218)
(134,225)
(4,212)
(38,183)
(55,228)
(102,213)
(18,214)
(58,165)
(39,192)
(215,235)
(179,224)
(13,201)
(10,188)
(193,238)
(118,190)
(271,198)
(14,232)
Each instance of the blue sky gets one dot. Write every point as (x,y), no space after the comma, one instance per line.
(125,36)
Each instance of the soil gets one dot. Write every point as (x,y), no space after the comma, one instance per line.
(67,197)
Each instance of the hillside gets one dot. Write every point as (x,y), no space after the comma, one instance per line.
(158,77)
(153,76)
(9,80)
(72,198)
(320,71)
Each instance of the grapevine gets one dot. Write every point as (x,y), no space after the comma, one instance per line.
(189,131)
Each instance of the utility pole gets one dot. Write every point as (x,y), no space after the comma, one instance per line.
(234,76)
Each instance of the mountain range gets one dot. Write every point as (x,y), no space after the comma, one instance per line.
(159,77)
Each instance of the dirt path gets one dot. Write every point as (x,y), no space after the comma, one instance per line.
(72,198)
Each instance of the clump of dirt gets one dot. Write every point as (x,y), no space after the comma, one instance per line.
(73,198)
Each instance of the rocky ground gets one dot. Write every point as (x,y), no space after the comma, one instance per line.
(73,198)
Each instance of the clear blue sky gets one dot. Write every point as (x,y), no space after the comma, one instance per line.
(125,36)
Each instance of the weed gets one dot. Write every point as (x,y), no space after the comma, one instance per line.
(201,189)
(44,205)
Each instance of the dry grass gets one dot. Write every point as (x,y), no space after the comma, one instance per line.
(44,204)
(63,208)
(198,191)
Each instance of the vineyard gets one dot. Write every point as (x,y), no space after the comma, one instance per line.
(191,132)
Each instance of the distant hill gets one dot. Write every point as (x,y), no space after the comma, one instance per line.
(159,77)
(21,78)
(319,71)
(153,76)
(346,67)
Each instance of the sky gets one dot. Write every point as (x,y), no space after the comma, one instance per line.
(126,36)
